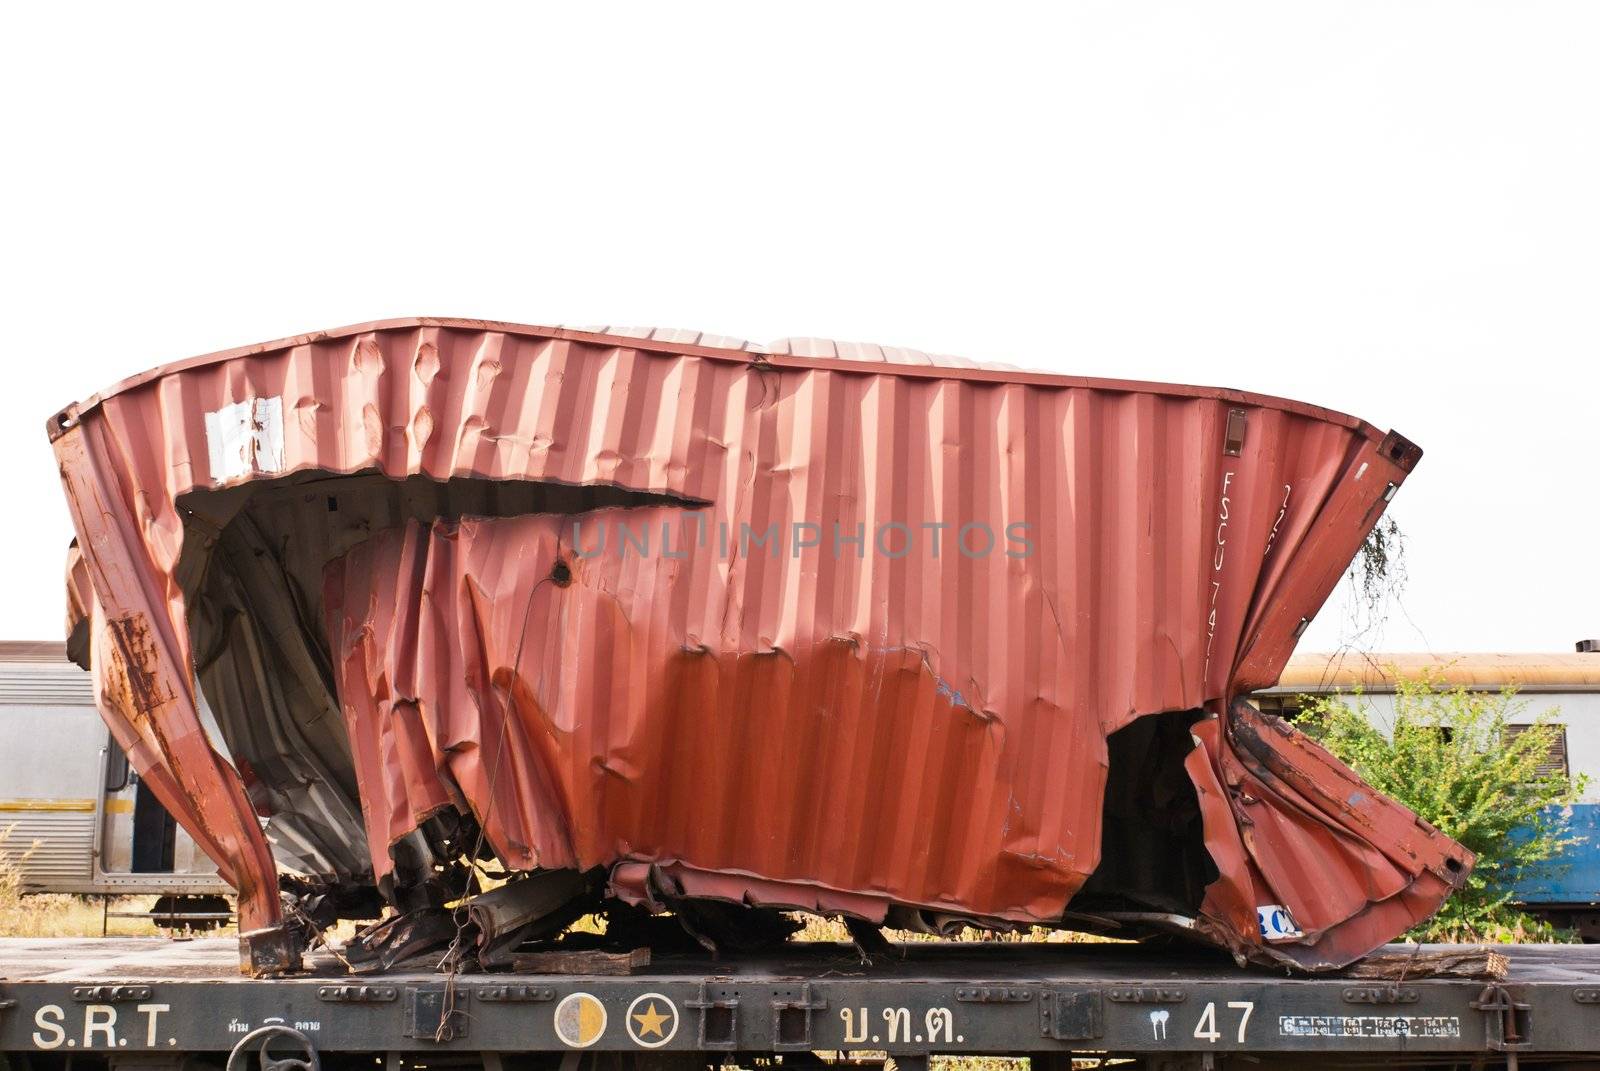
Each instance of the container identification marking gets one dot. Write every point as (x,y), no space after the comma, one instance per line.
(1369,1026)
(1276,923)
(244,438)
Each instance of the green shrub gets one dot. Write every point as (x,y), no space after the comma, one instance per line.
(1447,755)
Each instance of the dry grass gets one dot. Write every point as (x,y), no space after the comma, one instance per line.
(979,1063)
(57,914)
(818,928)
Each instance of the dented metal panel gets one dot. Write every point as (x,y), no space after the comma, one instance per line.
(834,627)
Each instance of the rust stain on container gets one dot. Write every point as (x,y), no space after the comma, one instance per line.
(825,626)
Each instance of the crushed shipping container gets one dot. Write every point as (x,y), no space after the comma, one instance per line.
(649,620)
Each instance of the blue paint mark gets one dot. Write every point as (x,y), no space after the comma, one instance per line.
(942,686)
(948,692)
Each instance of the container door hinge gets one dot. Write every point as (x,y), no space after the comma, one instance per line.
(1233,436)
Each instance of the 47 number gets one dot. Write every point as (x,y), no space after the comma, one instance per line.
(1206,1028)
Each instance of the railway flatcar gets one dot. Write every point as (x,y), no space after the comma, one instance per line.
(1568,894)
(74,816)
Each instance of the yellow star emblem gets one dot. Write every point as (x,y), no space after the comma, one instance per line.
(650,1021)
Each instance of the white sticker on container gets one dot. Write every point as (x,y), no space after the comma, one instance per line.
(1276,923)
(244,438)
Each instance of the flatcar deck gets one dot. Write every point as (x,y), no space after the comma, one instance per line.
(128,996)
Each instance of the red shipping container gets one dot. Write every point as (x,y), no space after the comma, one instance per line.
(841,628)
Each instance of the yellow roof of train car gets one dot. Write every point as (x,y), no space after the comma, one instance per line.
(1377,672)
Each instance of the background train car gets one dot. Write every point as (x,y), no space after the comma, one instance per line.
(1569,893)
(79,819)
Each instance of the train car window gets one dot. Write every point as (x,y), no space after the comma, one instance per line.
(116,767)
(1554,763)
(155,834)
(1287,707)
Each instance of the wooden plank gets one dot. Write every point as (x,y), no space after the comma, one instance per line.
(580,962)
(1474,963)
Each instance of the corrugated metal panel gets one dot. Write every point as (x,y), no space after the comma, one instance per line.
(804,347)
(45,683)
(49,848)
(1560,671)
(917,728)
(43,651)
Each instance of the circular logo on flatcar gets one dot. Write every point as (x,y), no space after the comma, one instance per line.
(652,1020)
(580,1020)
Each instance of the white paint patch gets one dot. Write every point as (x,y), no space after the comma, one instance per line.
(1276,923)
(245,437)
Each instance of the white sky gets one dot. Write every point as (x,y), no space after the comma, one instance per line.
(1388,208)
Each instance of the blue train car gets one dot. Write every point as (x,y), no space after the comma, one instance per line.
(1568,894)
